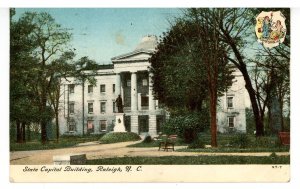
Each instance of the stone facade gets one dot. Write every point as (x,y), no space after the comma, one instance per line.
(129,78)
(231,107)
(92,109)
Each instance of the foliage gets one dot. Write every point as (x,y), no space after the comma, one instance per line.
(198,143)
(180,76)
(186,126)
(177,54)
(241,141)
(190,160)
(40,56)
(147,139)
(271,77)
(115,137)
(37,47)
(232,26)
(250,123)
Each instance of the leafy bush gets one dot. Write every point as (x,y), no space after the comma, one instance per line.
(186,126)
(115,137)
(240,140)
(147,139)
(198,143)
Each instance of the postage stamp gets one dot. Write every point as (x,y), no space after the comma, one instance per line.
(149,95)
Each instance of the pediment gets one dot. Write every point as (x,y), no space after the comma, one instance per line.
(135,55)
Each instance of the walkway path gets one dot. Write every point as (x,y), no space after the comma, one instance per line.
(97,151)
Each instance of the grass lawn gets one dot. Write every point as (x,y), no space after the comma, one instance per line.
(235,149)
(228,143)
(64,142)
(191,160)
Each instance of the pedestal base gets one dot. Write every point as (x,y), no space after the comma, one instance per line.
(120,126)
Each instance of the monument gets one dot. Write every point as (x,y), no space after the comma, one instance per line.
(119,123)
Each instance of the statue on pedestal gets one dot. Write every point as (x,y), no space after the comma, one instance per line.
(119,104)
(119,127)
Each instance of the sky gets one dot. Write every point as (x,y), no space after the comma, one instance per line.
(104,33)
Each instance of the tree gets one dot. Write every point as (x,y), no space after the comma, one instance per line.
(48,43)
(212,53)
(233,28)
(189,66)
(63,67)
(23,76)
(85,71)
(273,64)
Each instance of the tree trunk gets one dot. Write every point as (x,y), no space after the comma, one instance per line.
(57,125)
(23,132)
(281,115)
(258,121)
(19,132)
(242,67)
(270,120)
(213,119)
(83,108)
(43,121)
(28,133)
(43,131)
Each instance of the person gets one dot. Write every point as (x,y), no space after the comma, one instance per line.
(266,27)
(278,31)
(119,104)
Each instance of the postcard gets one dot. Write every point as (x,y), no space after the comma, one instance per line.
(150,95)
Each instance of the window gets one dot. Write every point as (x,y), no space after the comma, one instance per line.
(90,88)
(144,100)
(103,107)
(102,88)
(90,108)
(71,107)
(71,88)
(229,102)
(128,83)
(114,107)
(90,126)
(114,88)
(72,125)
(231,122)
(145,82)
(102,125)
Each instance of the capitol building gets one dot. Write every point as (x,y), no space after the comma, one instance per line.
(85,108)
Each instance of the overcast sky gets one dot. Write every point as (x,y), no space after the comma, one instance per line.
(102,34)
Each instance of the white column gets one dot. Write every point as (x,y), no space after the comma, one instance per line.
(151,98)
(133,92)
(152,125)
(139,101)
(118,84)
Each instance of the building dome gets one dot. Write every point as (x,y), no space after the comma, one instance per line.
(148,42)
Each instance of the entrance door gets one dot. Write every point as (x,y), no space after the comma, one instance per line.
(143,124)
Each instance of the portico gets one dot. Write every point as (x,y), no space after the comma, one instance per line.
(134,84)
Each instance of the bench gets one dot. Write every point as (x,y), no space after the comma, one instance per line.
(167,143)
(284,138)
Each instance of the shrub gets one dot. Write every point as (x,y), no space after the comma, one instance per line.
(198,143)
(187,125)
(115,137)
(147,139)
(240,140)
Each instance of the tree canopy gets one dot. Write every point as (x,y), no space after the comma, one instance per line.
(180,79)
